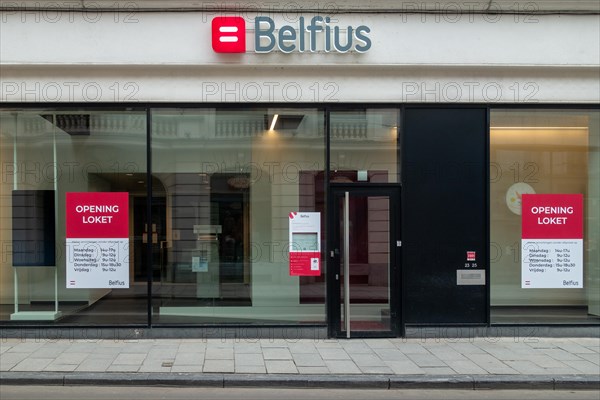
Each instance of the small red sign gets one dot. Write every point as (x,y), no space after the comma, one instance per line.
(552,216)
(307,263)
(97,215)
(229,35)
(471,255)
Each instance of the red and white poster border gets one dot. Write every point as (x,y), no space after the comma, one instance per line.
(97,227)
(552,241)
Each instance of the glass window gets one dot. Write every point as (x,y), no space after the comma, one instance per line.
(364,146)
(226,181)
(45,155)
(533,153)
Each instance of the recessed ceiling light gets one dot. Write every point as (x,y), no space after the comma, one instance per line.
(273,122)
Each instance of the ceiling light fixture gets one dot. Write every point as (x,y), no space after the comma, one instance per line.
(273,122)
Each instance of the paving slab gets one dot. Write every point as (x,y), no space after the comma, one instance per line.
(593,358)
(376,370)
(391,355)
(465,367)
(61,367)
(183,358)
(411,348)
(219,353)
(130,359)
(308,360)
(357,347)
(193,347)
(333,354)
(367,360)
(281,367)
(247,348)
(219,366)
(277,353)
(250,369)
(342,367)
(9,360)
(123,368)
(187,368)
(249,359)
(32,364)
(303,348)
(94,365)
(426,360)
(404,367)
(380,344)
(313,370)
(71,358)
(585,367)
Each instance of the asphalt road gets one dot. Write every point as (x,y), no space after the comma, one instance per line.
(171,393)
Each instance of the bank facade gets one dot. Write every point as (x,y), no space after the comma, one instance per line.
(356,169)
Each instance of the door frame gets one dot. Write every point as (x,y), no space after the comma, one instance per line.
(333,260)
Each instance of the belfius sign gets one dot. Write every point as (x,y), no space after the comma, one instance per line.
(552,241)
(308,35)
(97,227)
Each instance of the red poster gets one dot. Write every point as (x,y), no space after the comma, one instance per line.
(552,216)
(552,241)
(97,226)
(97,215)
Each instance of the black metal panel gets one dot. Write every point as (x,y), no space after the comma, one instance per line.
(33,237)
(444,202)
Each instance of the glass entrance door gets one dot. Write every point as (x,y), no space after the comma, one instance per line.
(365,253)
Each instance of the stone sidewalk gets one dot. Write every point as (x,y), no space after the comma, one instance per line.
(379,361)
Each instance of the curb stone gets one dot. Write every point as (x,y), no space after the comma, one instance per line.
(431,382)
(308,381)
(541,382)
(144,379)
(468,382)
(587,382)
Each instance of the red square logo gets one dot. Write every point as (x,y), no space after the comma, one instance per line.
(471,256)
(229,35)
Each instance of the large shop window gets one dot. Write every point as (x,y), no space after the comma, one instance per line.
(545,216)
(226,181)
(364,146)
(45,155)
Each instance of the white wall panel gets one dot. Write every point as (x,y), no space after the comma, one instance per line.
(414,58)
